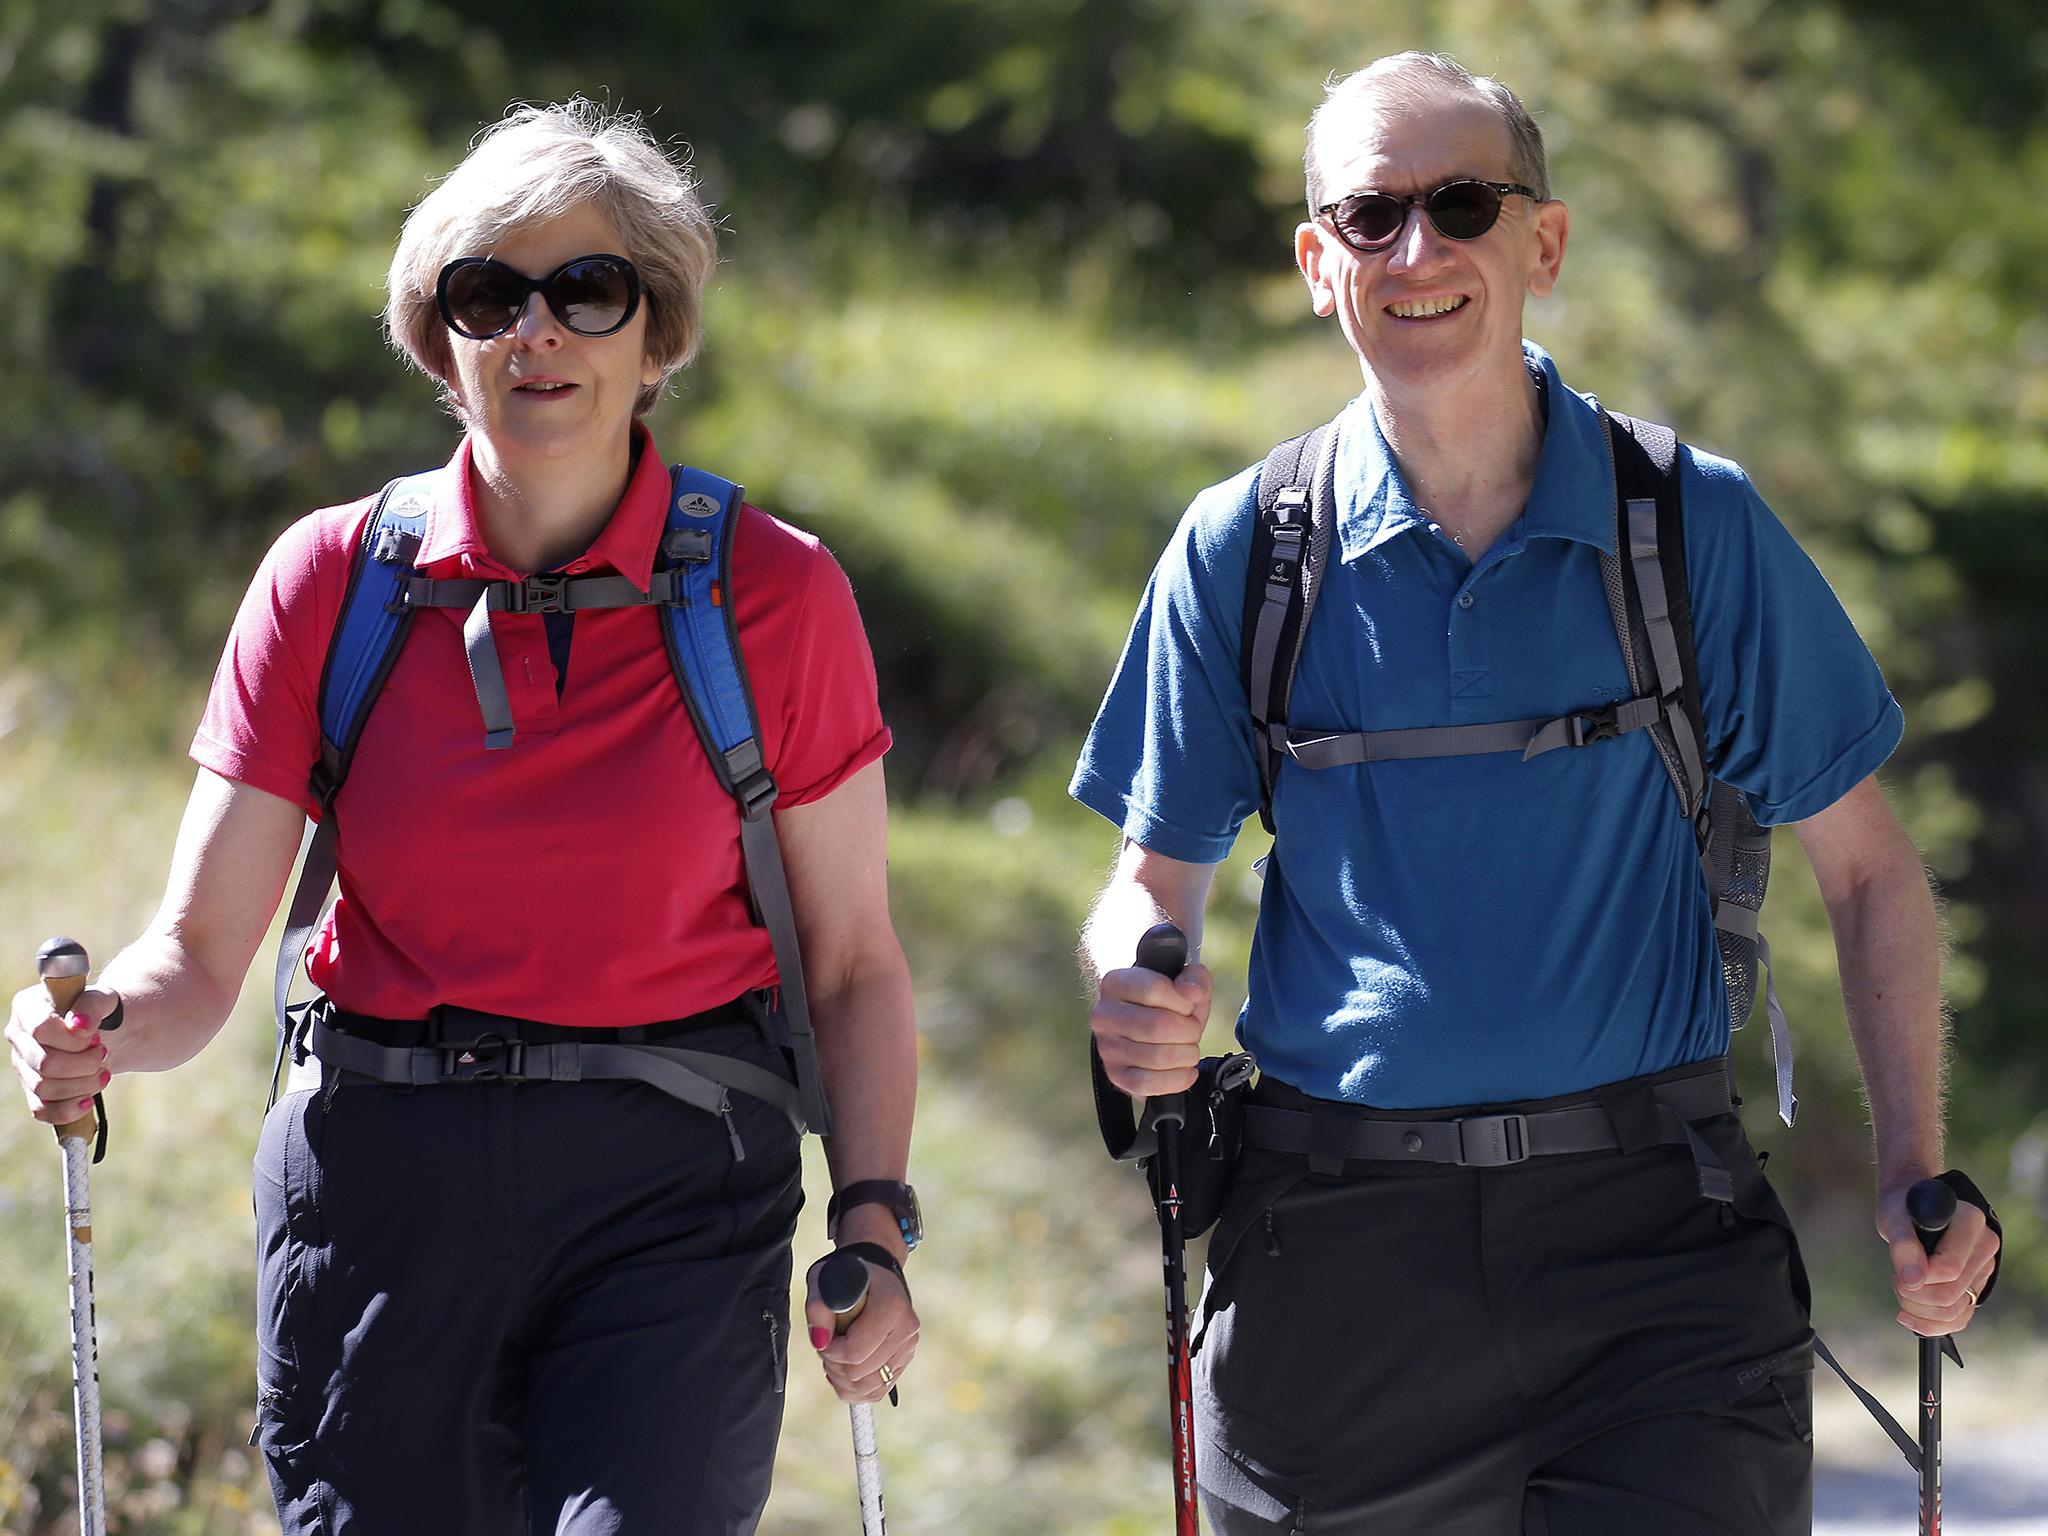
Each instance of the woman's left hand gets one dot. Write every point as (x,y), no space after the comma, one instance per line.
(864,1362)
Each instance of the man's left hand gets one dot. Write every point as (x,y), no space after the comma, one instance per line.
(1937,1291)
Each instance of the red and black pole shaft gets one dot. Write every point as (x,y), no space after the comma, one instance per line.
(1164,949)
(1932,1205)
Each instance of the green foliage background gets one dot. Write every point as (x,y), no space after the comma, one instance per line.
(1005,282)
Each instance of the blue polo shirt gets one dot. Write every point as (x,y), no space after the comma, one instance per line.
(1462,930)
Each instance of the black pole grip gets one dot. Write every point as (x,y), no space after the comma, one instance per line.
(1931,1205)
(1164,948)
(843,1286)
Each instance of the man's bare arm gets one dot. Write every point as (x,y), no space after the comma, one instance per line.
(1888,947)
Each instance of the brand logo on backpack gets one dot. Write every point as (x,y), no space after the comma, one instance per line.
(697,504)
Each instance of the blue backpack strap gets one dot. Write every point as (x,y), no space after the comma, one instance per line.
(704,650)
(360,655)
(373,622)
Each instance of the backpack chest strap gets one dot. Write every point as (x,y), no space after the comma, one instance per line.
(1531,738)
(540,594)
(534,595)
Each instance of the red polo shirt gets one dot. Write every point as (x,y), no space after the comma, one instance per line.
(590,873)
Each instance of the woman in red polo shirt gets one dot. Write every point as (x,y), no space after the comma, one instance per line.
(491,1299)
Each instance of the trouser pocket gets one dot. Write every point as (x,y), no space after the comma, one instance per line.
(1250,1482)
(1782,1381)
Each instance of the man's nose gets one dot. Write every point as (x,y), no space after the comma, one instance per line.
(1419,244)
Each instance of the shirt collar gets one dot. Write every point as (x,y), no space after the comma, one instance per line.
(454,542)
(1573,497)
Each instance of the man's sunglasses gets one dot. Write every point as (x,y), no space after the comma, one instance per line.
(591,295)
(1460,210)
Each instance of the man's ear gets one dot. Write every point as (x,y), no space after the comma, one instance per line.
(1315,260)
(1553,227)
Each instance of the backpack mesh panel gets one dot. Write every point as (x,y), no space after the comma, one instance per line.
(1739,854)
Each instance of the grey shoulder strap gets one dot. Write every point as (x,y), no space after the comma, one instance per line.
(1297,509)
(1656,637)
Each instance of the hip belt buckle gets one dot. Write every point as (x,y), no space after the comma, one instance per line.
(1492,1141)
(487,1060)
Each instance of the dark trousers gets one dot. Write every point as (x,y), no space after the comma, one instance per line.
(495,1309)
(1578,1345)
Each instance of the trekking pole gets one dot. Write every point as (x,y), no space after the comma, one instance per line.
(1932,1205)
(62,965)
(843,1286)
(1164,948)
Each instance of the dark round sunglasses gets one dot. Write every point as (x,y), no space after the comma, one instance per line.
(591,295)
(1461,210)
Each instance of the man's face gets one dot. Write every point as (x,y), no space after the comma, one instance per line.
(1427,312)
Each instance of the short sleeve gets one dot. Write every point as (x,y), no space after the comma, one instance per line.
(1169,758)
(261,726)
(1797,713)
(831,712)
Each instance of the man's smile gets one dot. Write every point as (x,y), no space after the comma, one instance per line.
(1427,309)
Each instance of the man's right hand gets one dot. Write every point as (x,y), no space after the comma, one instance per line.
(1148,1030)
(60,1058)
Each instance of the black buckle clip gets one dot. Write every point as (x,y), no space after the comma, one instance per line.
(1595,725)
(537,594)
(688,545)
(1492,1141)
(756,794)
(487,1059)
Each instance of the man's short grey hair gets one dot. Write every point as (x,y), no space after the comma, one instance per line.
(1409,80)
(537,164)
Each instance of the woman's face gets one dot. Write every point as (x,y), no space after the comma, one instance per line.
(540,391)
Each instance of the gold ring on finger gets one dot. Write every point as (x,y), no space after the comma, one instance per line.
(1971,1294)
(888,1377)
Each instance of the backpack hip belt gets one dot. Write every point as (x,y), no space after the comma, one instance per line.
(702,1079)
(1329,1133)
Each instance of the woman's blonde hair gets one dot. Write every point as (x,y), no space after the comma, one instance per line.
(538,164)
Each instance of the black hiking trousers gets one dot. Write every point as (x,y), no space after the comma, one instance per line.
(488,1309)
(1577,1345)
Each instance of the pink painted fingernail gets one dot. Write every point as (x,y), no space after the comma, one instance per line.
(820,1337)
(105,1078)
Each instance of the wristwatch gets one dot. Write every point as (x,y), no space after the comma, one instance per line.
(901,1200)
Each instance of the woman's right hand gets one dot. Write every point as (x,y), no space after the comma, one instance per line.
(60,1058)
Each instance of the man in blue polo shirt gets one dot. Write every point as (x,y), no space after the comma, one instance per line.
(1574,1343)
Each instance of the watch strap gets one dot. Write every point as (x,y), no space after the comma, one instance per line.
(893,1193)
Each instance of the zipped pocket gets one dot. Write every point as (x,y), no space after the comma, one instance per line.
(778,1358)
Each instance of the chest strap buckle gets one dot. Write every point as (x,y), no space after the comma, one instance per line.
(1595,725)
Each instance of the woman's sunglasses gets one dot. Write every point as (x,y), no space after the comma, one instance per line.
(1460,210)
(591,295)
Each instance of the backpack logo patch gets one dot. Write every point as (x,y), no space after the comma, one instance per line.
(697,504)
